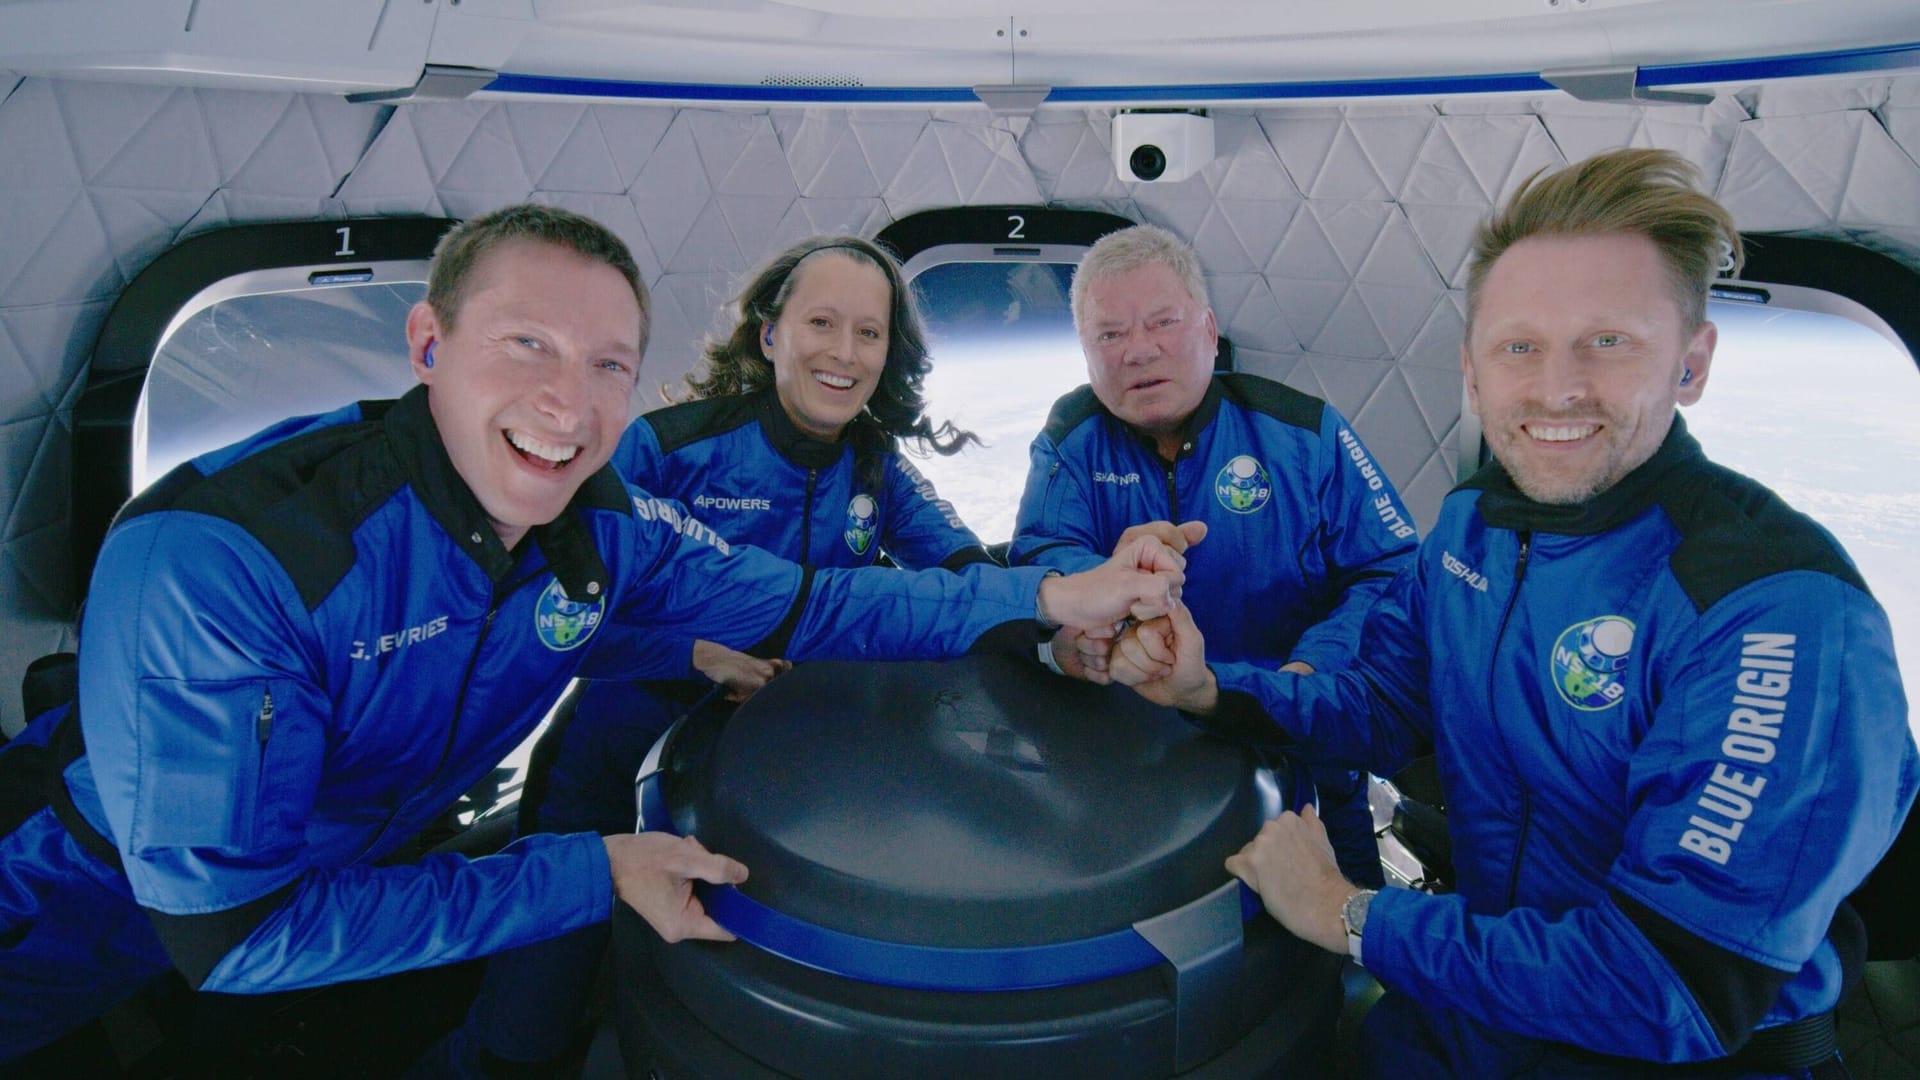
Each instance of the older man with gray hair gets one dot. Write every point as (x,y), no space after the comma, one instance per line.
(1304,529)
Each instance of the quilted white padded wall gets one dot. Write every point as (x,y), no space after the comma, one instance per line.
(1334,238)
(95,180)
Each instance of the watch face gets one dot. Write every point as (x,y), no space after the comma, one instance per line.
(1354,912)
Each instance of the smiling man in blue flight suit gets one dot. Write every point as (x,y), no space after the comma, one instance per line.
(1668,717)
(794,443)
(300,649)
(1303,529)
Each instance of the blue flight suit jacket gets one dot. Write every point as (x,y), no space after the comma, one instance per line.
(1673,739)
(1303,529)
(299,650)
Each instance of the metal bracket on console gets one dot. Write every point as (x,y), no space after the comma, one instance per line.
(1202,940)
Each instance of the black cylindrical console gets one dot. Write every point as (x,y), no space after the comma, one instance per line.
(972,868)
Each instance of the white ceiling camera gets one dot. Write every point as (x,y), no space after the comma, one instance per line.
(1161,145)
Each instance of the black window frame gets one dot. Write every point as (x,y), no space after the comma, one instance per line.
(187,275)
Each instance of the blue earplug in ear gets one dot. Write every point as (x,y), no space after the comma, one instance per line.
(1686,375)
(428,359)
(769,337)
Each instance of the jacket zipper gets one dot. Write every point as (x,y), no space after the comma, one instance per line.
(1173,491)
(1526,796)
(1049,504)
(262,730)
(466,677)
(500,594)
(806,517)
(264,727)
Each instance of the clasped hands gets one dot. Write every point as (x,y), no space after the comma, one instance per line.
(1140,581)
(1290,864)
(1162,657)
(1084,652)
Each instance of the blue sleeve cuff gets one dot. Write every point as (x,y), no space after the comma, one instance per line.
(599,884)
(1381,941)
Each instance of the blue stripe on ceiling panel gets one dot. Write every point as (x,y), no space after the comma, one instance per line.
(1846,61)
(1891,58)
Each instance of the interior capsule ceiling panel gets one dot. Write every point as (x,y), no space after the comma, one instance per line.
(1334,237)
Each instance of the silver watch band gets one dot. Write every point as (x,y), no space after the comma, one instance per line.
(1353,919)
(1045,652)
(1039,609)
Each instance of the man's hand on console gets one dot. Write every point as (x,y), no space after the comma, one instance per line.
(654,874)
(1290,864)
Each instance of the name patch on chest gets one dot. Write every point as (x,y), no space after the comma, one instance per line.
(1461,570)
(399,639)
(730,502)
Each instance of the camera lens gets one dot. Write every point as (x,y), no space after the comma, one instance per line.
(1147,162)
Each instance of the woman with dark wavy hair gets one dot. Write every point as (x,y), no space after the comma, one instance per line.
(799,414)
(790,442)
(873,414)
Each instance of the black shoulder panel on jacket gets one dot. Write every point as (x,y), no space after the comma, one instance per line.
(302,498)
(690,421)
(604,490)
(1275,399)
(1734,531)
(1733,991)
(197,943)
(1074,408)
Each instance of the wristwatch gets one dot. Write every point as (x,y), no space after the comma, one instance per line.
(1039,609)
(1045,653)
(1353,919)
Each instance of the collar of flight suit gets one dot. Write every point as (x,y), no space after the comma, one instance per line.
(1190,428)
(1503,506)
(566,541)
